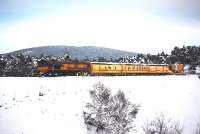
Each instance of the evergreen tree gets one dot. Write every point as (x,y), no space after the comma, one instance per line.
(109,114)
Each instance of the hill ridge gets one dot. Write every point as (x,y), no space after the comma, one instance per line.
(79,52)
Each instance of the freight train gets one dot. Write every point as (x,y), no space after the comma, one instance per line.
(108,68)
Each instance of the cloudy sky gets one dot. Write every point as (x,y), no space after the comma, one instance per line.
(146,26)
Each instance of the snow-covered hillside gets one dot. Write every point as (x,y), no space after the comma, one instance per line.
(55,105)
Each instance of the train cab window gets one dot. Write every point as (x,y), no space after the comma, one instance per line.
(115,68)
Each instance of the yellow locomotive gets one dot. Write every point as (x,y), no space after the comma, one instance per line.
(109,68)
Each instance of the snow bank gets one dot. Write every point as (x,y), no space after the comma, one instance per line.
(55,105)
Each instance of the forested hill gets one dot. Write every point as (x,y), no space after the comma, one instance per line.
(90,52)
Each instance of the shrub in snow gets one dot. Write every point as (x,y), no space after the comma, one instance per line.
(197,131)
(109,114)
(41,94)
(161,125)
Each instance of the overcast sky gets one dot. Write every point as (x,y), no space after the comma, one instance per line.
(145,26)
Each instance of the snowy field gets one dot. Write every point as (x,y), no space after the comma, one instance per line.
(55,105)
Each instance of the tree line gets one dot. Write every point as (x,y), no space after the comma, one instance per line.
(185,55)
(26,65)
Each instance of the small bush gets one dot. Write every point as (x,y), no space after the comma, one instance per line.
(109,114)
(197,131)
(161,125)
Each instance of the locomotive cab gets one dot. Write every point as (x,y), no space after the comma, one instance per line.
(177,68)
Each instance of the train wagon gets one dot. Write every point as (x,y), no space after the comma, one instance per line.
(75,68)
(42,69)
(99,68)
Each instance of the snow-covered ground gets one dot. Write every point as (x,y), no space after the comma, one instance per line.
(55,105)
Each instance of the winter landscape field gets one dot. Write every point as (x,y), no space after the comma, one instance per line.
(55,105)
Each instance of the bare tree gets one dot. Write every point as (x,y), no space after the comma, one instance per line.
(197,131)
(161,125)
